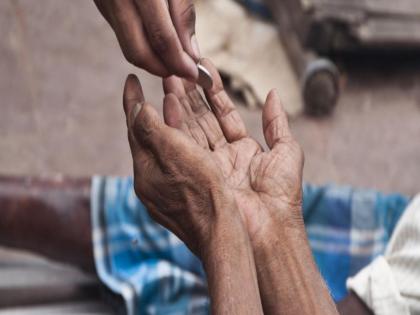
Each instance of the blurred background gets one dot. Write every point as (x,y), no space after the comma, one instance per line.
(61,79)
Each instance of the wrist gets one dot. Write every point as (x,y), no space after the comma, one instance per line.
(279,224)
(226,231)
(229,265)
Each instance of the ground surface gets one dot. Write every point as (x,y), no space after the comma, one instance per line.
(61,78)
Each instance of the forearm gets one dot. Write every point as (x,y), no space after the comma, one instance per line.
(289,280)
(47,216)
(230,269)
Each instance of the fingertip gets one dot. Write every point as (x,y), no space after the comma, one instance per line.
(133,93)
(273,99)
(273,107)
(273,94)
(275,122)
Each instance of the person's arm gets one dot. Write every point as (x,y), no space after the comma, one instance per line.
(184,191)
(48,216)
(267,188)
(289,280)
(229,265)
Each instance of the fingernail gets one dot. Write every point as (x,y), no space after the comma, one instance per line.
(134,112)
(195,47)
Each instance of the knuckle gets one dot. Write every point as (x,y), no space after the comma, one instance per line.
(160,40)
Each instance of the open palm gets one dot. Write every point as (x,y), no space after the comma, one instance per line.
(264,184)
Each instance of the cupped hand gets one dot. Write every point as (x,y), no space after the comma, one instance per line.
(266,185)
(181,185)
(155,35)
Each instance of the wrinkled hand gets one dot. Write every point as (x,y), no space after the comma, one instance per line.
(266,185)
(178,181)
(202,161)
(155,35)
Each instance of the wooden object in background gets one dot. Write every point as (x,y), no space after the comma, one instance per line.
(313,28)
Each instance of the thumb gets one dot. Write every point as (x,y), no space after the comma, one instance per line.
(165,143)
(146,125)
(275,124)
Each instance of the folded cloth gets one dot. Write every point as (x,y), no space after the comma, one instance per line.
(248,51)
(155,273)
(391,283)
(137,258)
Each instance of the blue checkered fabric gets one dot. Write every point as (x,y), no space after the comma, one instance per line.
(155,273)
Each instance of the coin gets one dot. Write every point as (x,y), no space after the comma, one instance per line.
(204,77)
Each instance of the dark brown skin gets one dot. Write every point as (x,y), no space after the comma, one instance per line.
(185,192)
(266,187)
(155,35)
(47,216)
(200,169)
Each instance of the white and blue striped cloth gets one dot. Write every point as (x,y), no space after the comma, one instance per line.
(155,273)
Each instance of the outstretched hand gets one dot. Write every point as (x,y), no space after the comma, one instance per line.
(236,206)
(266,185)
(201,159)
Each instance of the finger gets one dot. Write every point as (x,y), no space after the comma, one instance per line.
(124,19)
(198,105)
(211,129)
(204,117)
(189,86)
(165,143)
(132,99)
(197,113)
(173,85)
(173,112)
(164,39)
(183,17)
(146,123)
(225,111)
(133,93)
(275,124)
(175,115)
(187,94)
